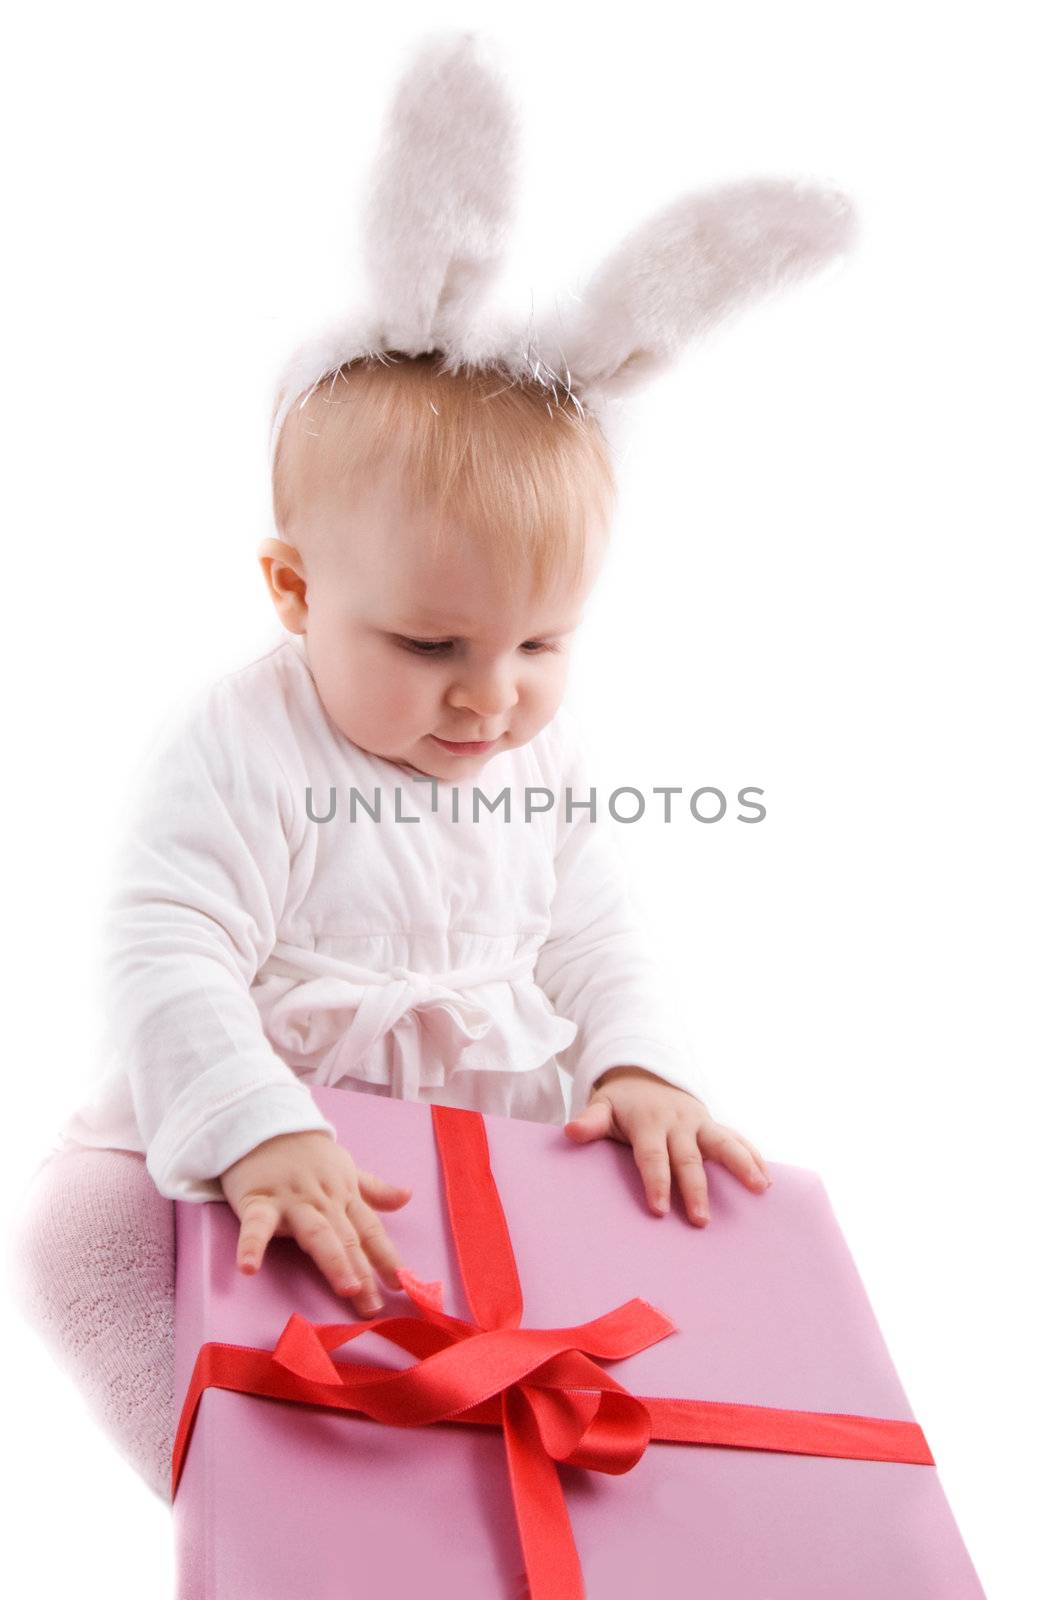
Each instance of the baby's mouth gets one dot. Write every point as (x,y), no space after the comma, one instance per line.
(466,746)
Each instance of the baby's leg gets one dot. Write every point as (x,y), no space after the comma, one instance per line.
(94,1269)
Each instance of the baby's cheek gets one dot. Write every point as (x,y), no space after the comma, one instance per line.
(389,707)
(549,690)
(357,692)
(391,694)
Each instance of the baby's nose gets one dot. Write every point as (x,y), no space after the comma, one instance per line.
(488,697)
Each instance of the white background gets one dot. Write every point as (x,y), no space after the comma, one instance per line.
(834,576)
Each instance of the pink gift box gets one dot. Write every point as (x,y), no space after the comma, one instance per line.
(281,1501)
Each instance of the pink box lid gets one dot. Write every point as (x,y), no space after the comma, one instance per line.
(281,1502)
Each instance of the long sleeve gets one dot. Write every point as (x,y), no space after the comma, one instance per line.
(203,872)
(594,966)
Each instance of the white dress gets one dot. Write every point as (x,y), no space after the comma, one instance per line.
(257,944)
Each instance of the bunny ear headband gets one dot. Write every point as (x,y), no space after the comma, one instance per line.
(439,207)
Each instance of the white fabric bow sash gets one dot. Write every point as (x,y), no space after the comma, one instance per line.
(430,1019)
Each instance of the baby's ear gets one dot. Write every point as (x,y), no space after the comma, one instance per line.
(282,567)
(689,266)
(441,195)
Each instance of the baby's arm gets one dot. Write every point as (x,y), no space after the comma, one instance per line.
(632,1077)
(203,876)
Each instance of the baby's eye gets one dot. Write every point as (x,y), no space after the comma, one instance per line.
(426,647)
(439,647)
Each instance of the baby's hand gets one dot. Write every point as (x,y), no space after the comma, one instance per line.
(306,1186)
(666,1126)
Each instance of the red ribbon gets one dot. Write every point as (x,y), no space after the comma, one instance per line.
(541,1385)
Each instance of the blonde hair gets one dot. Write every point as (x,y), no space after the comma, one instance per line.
(522,472)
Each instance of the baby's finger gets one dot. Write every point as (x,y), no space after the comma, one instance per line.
(378,1192)
(758,1157)
(316,1234)
(689,1167)
(652,1159)
(721,1144)
(367,1296)
(259,1217)
(375,1242)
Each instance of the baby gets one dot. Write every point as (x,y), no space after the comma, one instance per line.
(367,858)
(440,533)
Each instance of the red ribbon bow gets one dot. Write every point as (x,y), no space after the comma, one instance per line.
(541,1385)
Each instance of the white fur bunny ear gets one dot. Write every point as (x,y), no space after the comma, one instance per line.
(440,201)
(689,266)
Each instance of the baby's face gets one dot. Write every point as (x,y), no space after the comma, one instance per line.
(425,659)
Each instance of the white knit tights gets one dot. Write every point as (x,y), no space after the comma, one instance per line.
(94,1271)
